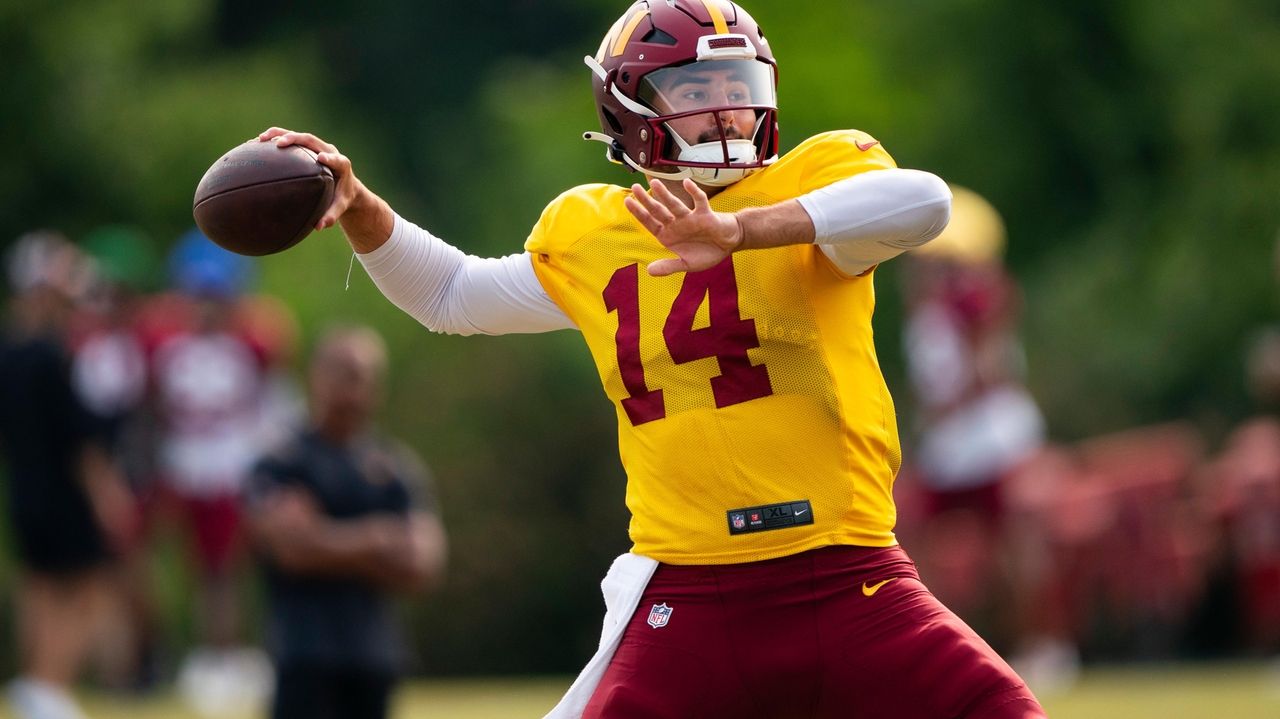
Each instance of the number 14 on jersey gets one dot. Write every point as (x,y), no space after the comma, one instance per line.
(727,337)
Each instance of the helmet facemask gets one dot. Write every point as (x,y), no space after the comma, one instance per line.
(714,119)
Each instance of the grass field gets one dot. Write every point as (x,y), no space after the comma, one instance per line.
(1213,691)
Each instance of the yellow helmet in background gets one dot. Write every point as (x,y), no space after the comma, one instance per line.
(975,235)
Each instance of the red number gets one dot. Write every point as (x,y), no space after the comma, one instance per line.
(622,295)
(727,338)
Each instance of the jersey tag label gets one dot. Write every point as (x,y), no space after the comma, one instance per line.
(770,516)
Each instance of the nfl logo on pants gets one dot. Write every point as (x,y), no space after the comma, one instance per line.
(659,615)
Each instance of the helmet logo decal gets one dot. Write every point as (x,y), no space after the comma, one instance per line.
(717,16)
(725,47)
(716,43)
(628,30)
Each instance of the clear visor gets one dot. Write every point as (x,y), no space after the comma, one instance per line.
(708,84)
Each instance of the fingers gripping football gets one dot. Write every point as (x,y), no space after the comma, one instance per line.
(700,237)
(328,155)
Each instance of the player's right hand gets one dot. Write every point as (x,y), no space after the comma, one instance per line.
(346,186)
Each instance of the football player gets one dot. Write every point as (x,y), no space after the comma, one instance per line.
(728,309)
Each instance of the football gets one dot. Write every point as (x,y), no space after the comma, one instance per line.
(259,199)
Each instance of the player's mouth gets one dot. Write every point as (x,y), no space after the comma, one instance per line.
(713,135)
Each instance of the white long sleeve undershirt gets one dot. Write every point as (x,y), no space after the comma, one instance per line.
(860,222)
(867,219)
(450,291)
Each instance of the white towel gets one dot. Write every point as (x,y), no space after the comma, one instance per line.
(622,588)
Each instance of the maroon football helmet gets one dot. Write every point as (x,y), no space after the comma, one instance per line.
(687,88)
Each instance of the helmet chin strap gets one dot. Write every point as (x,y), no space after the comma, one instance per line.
(719,176)
(654,173)
(709,176)
(626,159)
(740,151)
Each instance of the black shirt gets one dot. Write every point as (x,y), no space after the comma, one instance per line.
(338,622)
(43,430)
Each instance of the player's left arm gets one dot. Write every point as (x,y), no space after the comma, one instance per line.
(859,221)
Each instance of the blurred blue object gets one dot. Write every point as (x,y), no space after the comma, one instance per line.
(200,268)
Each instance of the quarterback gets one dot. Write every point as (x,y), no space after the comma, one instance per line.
(728,310)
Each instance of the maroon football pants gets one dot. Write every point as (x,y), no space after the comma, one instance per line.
(833,633)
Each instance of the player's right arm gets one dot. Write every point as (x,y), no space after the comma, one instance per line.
(366,218)
(437,284)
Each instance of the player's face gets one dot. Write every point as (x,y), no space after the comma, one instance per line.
(345,388)
(694,90)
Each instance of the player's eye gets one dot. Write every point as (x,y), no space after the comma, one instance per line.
(694,96)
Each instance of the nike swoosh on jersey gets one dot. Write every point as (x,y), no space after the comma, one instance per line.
(869,589)
(864,146)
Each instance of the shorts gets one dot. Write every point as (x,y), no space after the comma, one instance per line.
(831,633)
(215,525)
(57,535)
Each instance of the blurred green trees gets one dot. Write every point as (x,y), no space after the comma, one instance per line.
(1132,146)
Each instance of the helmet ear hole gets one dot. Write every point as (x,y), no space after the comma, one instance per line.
(612,119)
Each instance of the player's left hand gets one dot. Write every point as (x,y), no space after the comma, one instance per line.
(700,237)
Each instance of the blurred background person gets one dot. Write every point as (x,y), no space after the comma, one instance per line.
(975,422)
(111,376)
(1240,491)
(68,506)
(343,518)
(1054,551)
(209,383)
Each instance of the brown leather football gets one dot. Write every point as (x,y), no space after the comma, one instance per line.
(259,199)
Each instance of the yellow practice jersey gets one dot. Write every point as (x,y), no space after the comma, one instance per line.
(753,420)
